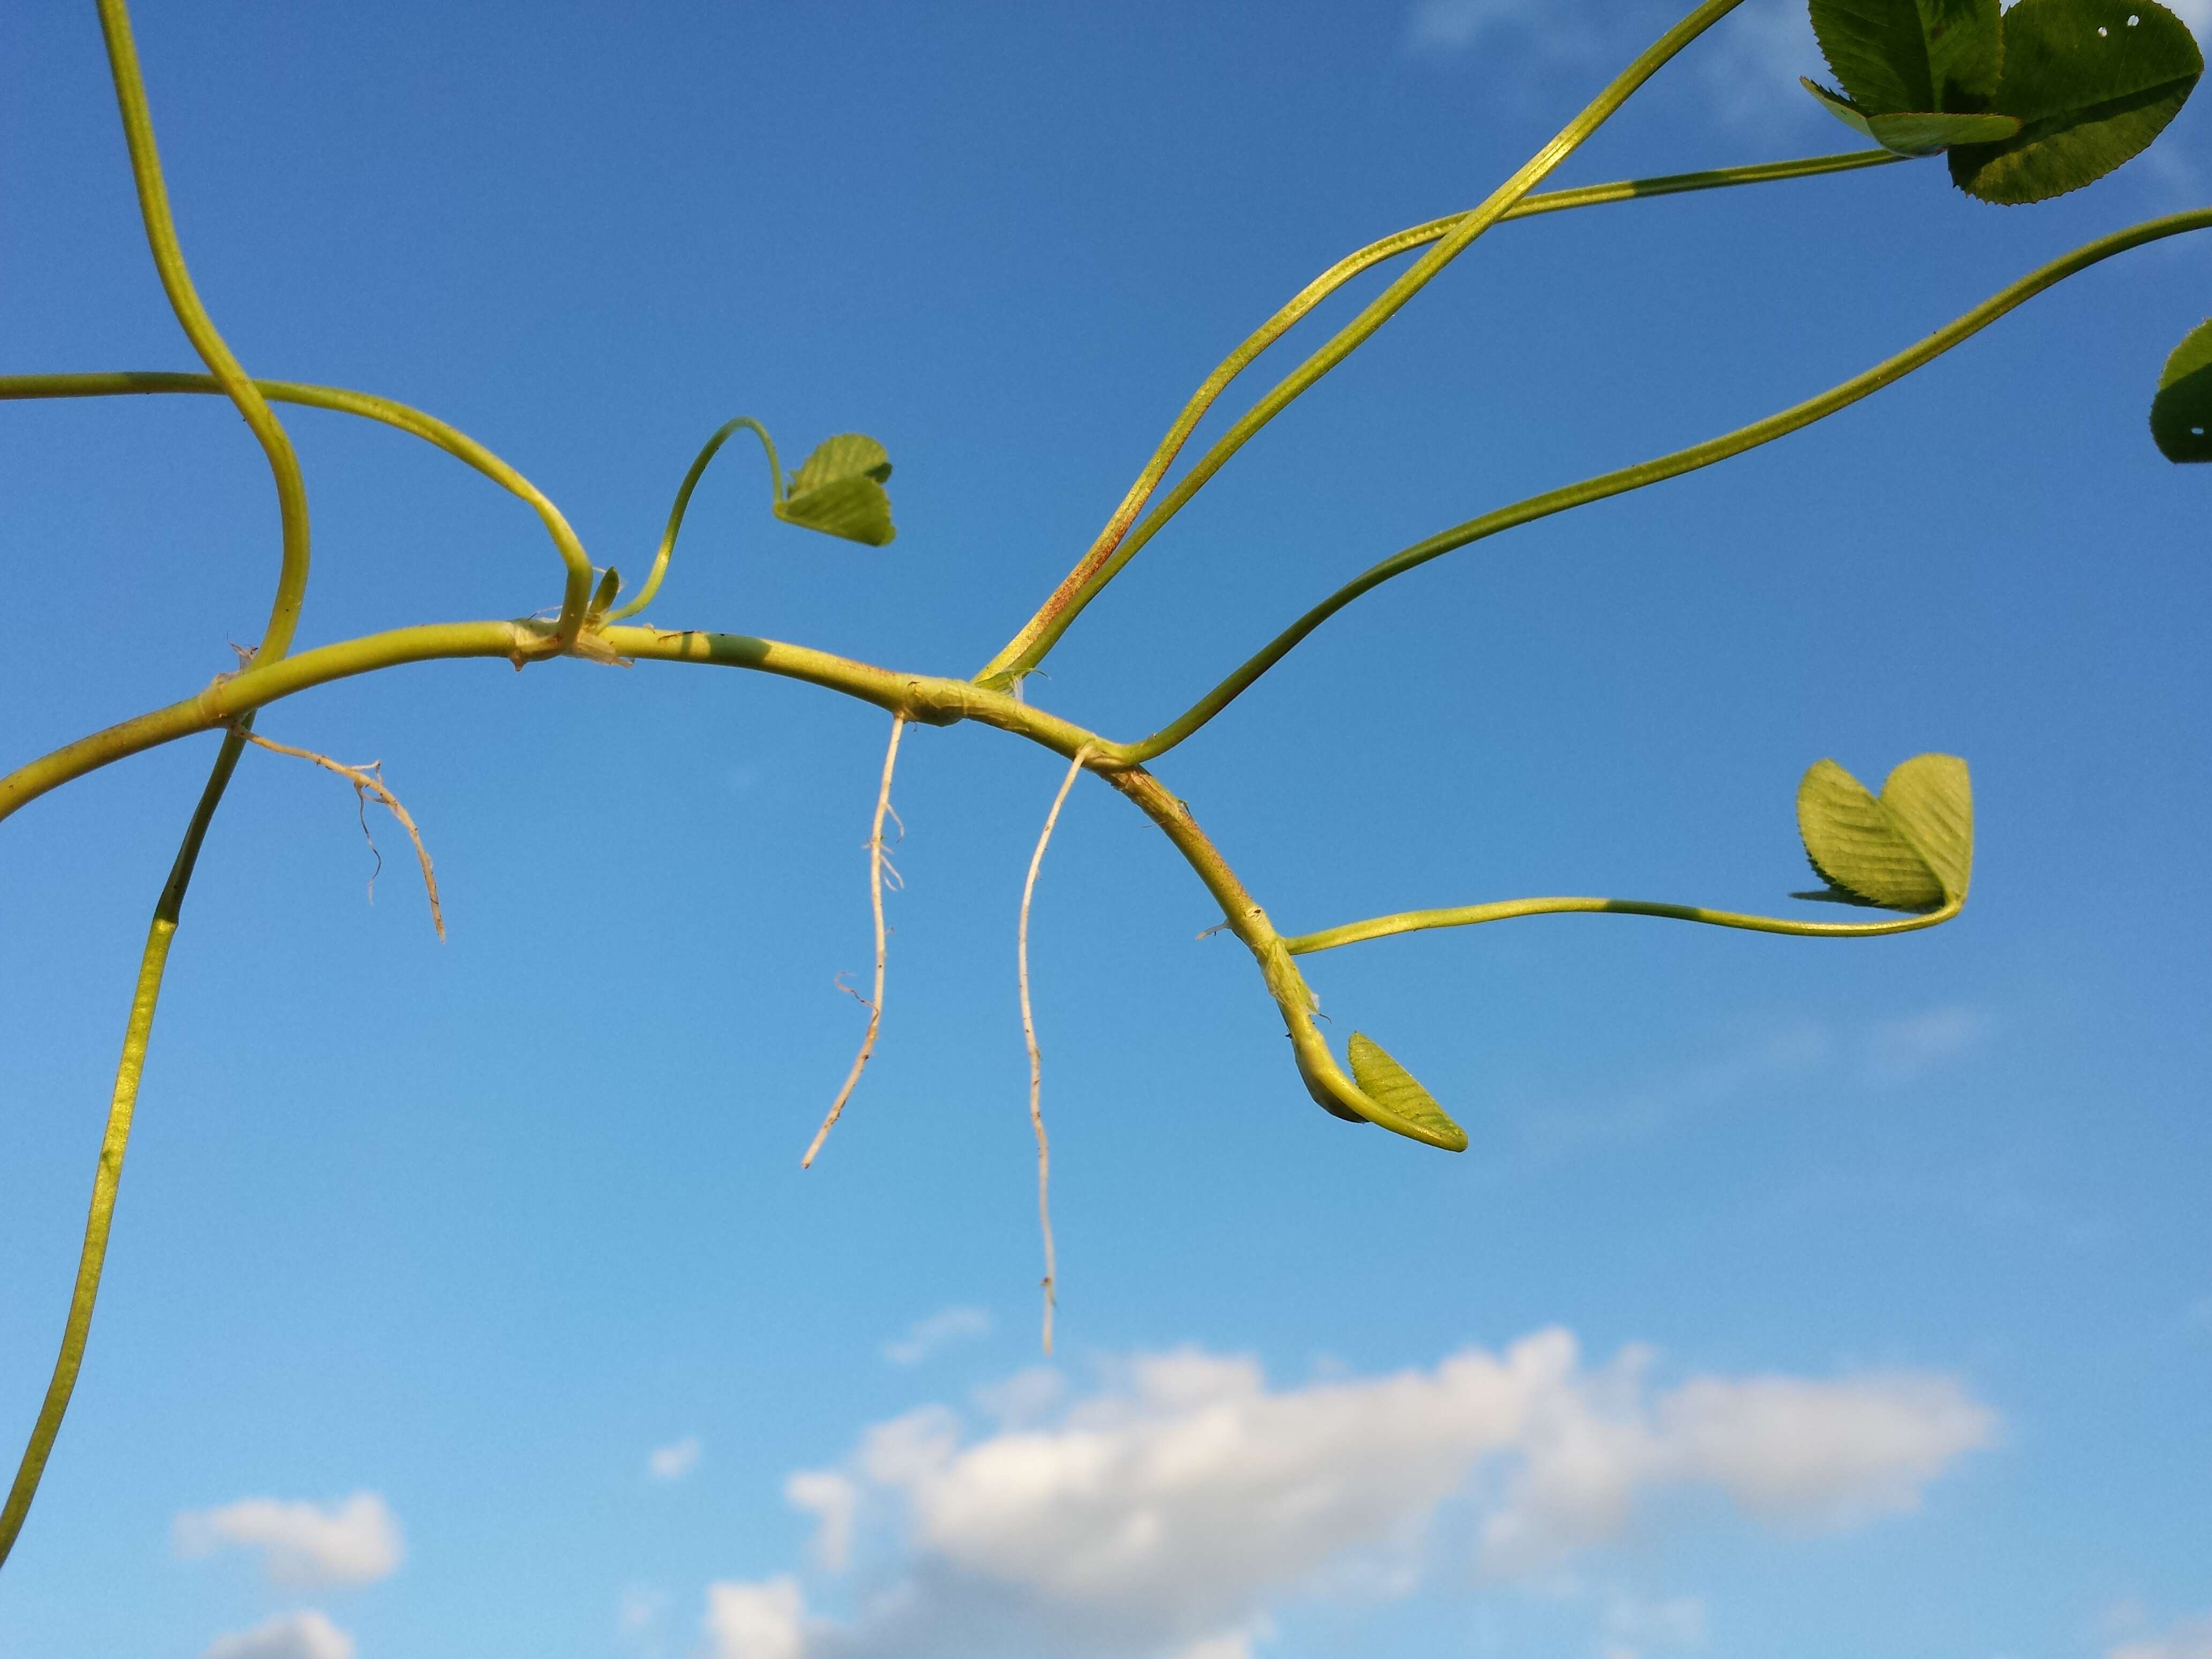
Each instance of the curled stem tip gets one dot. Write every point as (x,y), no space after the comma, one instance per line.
(675,526)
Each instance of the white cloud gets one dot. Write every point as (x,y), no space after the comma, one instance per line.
(756,1621)
(1167,1513)
(304,1635)
(354,1542)
(835,1503)
(674,1461)
(926,1336)
(2191,1639)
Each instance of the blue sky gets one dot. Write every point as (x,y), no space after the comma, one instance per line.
(1792,1296)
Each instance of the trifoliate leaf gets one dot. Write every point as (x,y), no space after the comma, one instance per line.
(1913,134)
(1392,1087)
(1913,849)
(2093,82)
(2181,414)
(840,491)
(1901,57)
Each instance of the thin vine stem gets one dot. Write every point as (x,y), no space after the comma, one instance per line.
(115,1142)
(338,400)
(199,328)
(877,861)
(1102,564)
(1000,670)
(1605,485)
(1037,1055)
(675,526)
(1470,916)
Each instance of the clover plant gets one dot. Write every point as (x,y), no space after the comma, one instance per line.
(2024,105)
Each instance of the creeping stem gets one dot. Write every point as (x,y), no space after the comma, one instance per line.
(365,405)
(199,328)
(1666,467)
(935,701)
(722,435)
(1106,559)
(1468,915)
(109,1172)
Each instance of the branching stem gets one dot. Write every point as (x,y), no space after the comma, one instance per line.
(1114,551)
(363,406)
(1628,478)
(1036,1059)
(877,861)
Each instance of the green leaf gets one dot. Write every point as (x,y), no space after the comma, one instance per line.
(1392,1087)
(610,585)
(2093,82)
(839,490)
(2181,414)
(1915,135)
(1913,849)
(1900,57)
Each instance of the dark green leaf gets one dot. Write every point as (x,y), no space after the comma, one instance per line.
(2181,414)
(1915,135)
(839,491)
(2093,82)
(1900,57)
(1913,849)
(1392,1087)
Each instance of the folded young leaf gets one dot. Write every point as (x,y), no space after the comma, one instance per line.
(1392,1087)
(1912,849)
(1914,134)
(2092,81)
(2181,414)
(839,490)
(1898,57)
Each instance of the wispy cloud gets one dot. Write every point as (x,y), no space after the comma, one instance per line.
(356,1541)
(303,1635)
(675,1461)
(1553,28)
(2191,1639)
(1748,64)
(927,1335)
(1899,1050)
(1172,1510)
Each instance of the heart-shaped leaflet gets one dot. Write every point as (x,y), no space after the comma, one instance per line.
(839,490)
(1912,849)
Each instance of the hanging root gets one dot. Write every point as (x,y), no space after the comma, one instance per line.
(1036,1060)
(368,780)
(880,869)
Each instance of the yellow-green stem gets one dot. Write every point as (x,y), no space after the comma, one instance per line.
(362,405)
(1469,915)
(107,1175)
(200,328)
(1106,560)
(1666,467)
